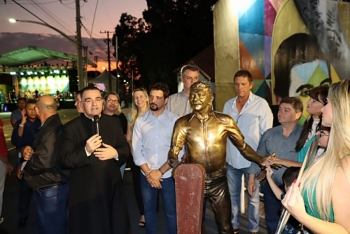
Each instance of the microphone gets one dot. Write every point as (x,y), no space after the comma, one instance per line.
(97,127)
(96,122)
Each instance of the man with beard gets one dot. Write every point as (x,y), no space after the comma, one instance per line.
(151,143)
(204,132)
(96,201)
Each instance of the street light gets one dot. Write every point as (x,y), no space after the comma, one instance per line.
(77,43)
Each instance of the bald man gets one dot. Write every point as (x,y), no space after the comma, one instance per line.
(43,175)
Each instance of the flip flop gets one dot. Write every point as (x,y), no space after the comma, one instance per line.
(142,224)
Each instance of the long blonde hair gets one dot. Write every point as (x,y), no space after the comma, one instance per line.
(318,178)
(134,109)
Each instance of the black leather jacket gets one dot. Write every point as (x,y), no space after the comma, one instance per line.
(42,169)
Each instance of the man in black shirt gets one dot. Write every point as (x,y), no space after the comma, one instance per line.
(42,173)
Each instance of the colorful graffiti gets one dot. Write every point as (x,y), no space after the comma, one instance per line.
(255,24)
(292,46)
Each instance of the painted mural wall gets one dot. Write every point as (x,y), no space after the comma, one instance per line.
(284,44)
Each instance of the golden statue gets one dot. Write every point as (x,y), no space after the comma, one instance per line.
(204,133)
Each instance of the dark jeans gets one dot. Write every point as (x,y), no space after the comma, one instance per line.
(51,208)
(136,175)
(150,199)
(217,193)
(272,208)
(25,194)
(25,197)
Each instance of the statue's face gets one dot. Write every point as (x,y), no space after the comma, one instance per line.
(200,98)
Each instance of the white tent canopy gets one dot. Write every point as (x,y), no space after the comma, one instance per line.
(102,81)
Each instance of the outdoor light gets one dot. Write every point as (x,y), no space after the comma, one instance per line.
(22,73)
(12,20)
(242,6)
(12,73)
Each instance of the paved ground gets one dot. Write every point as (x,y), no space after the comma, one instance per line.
(10,205)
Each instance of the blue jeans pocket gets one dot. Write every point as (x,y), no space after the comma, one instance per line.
(49,193)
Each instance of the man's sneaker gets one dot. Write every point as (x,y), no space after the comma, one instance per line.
(1,220)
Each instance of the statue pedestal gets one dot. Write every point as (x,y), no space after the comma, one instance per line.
(189,188)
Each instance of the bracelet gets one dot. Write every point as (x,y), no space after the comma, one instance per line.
(161,171)
(21,125)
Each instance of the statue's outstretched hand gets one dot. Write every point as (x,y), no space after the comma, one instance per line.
(271,161)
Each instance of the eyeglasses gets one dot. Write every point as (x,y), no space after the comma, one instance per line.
(90,100)
(112,100)
(323,133)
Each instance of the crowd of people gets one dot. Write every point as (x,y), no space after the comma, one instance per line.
(75,171)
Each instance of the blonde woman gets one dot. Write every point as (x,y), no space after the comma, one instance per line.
(320,200)
(140,105)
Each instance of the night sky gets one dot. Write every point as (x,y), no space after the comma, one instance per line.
(62,16)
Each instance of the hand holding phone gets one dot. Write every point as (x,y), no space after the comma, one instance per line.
(24,116)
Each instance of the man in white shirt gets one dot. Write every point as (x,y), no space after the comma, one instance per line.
(151,143)
(253,117)
(178,103)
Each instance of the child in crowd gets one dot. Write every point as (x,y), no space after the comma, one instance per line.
(288,177)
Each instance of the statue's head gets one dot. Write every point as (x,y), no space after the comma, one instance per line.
(201,96)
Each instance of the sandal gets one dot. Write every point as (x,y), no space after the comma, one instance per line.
(142,223)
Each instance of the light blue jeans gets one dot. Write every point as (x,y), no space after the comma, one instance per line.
(234,180)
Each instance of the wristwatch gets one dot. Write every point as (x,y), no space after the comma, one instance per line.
(21,125)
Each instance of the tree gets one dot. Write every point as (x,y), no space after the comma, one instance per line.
(169,34)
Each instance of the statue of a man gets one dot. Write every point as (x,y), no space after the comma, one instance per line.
(204,133)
